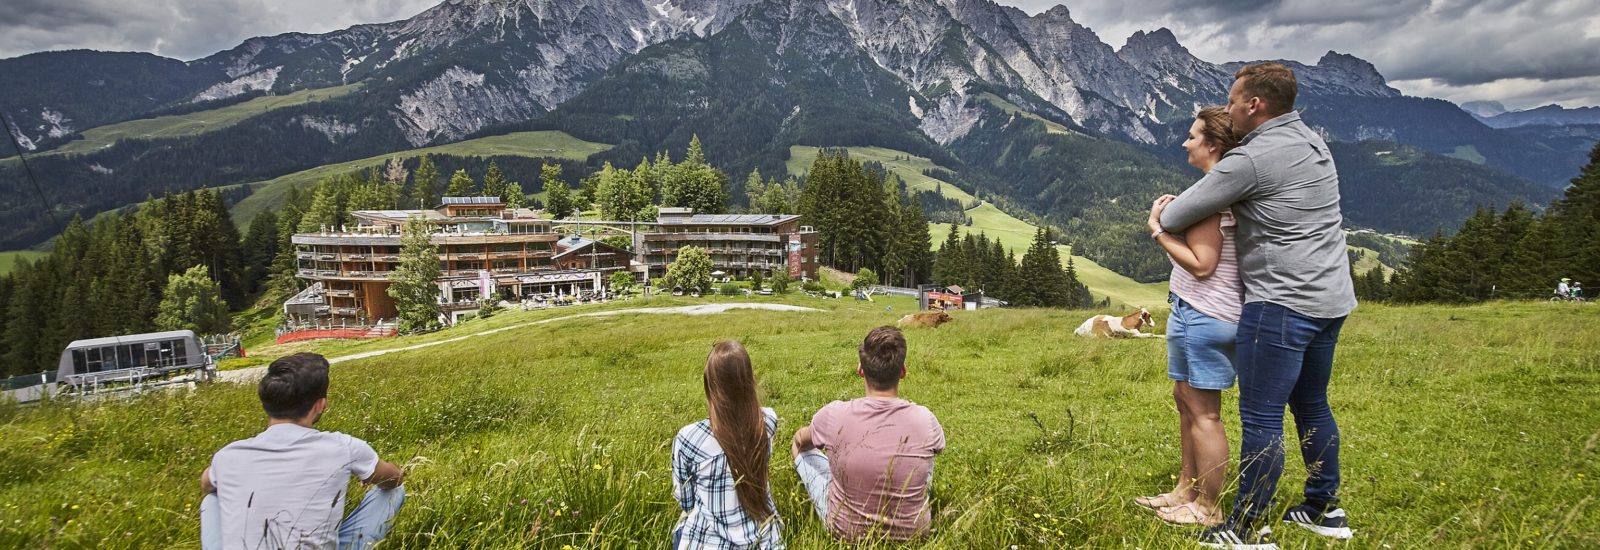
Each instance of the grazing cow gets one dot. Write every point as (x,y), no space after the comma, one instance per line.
(1110,326)
(930,319)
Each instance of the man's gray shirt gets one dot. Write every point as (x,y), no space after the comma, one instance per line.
(1284,191)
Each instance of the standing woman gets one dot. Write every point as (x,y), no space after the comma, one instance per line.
(1207,296)
(719,465)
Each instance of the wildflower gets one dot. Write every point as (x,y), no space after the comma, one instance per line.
(75,507)
(597,466)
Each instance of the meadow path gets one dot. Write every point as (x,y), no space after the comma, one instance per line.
(252,374)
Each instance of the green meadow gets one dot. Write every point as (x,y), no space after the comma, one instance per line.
(1464,427)
(1013,233)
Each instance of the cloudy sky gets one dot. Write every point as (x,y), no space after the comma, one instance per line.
(1524,53)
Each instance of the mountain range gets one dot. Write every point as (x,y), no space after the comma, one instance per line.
(945,79)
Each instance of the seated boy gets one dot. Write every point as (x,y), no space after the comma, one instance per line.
(875,464)
(285,488)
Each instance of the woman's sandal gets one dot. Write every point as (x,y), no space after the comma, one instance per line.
(1187,513)
(1157,502)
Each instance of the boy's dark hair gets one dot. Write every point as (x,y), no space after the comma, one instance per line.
(883,355)
(293,384)
(1272,82)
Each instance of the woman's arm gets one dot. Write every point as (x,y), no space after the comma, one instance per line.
(1201,246)
(682,472)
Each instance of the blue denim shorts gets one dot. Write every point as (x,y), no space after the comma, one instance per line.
(1199,347)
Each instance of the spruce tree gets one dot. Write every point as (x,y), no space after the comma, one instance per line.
(947,264)
(495,183)
(323,215)
(426,186)
(259,248)
(412,286)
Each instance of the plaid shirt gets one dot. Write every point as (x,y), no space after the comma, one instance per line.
(712,517)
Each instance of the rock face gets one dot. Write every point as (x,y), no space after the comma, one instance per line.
(464,65)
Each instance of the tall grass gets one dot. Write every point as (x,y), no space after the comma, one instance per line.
(1463,427)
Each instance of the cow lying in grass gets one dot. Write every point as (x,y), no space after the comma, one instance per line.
(1109,326)
(930,319)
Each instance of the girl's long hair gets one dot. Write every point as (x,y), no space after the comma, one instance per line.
(737,424)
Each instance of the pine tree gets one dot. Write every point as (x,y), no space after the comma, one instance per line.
(192,301)
(30,297)
(412,286)
(495,183)
(947,264)
(259,248)
(426,187)
(323,215)
(461,185)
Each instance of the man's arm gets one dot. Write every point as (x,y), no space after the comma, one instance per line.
(386,476)
(206,487)
(802,439)
(1233,179)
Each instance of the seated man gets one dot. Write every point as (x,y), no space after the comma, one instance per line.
(878,466)
(285,487)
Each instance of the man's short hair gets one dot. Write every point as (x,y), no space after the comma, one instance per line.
(293,384)
(1271,82)
(883,355)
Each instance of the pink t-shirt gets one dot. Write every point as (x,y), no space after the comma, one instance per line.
(881,454)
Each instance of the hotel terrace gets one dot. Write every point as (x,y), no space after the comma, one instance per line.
(486,251)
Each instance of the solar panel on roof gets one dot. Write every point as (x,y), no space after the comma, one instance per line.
(470,200)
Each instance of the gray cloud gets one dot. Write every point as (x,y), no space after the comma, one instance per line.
(1455,49)
(184,29)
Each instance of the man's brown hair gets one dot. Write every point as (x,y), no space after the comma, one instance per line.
(1273,83)
(883,355)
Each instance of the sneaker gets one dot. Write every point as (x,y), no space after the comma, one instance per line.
(1228,536)
(1329,523)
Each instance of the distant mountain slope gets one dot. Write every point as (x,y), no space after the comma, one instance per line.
(1548,115)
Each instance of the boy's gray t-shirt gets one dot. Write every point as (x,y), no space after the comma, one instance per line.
(1282,186)
(285,488)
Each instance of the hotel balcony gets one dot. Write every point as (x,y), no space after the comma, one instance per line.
(341,293)
(346,311)
(306,256)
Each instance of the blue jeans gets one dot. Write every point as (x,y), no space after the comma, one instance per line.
(363,528)
(1284,358)
(816,475)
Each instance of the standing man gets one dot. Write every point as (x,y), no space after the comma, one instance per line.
(1282,186)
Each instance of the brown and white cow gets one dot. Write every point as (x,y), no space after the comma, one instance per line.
(1109,326)
(929,319)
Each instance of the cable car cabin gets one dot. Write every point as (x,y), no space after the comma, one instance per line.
(133,359)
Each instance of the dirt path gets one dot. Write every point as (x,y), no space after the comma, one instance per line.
(252,374)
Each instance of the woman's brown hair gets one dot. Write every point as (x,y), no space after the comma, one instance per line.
(1217,128)
(737,424)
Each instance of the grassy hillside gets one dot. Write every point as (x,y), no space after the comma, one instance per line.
(1464,427)
(9,258)
(269,194)
(200,122)
(1012,232)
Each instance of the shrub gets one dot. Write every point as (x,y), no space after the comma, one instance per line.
(729,289)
